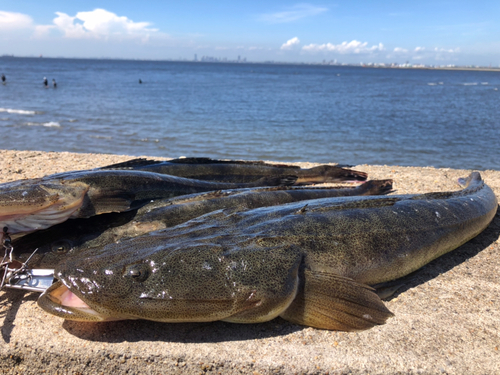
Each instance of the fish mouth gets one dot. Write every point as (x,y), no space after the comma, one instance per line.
(59,300)
(55,208)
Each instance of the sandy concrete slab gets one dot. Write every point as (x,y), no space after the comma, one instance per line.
(447,317)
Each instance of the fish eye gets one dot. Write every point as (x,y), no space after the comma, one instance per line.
(60,247)
(137,272)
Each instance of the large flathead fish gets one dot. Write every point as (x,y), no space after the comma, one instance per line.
(310,264)
(34,204)
(71,237)
(241,171)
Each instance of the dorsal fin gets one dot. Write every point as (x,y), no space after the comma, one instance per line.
(216,161)
(132,164)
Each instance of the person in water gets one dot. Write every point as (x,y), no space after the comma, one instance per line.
(54,83)
(3,78)
(140,80)
(45,82)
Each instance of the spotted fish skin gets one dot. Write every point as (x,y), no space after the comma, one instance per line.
(69,238)
(35,204)
(310,264)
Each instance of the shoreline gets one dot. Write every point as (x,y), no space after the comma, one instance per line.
(266,62)
(447,317)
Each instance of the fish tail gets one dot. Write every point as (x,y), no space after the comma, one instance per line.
(376,187)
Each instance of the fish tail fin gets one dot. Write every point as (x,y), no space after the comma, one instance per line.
(376,187)
(352,175)
(329,301)
(330,173)
(473,178)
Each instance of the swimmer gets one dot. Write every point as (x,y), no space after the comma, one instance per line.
(45,82)
(54,83)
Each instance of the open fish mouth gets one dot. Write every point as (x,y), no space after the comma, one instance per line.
(41,209)
(62,302)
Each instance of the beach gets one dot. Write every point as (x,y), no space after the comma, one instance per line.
(447,316)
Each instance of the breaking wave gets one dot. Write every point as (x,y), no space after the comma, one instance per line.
(19,111)
(50,124)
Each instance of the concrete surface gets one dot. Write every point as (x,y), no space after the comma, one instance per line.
(447,316)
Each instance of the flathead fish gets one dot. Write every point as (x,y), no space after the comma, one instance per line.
(241,171)
(35,204)
(69,238)
(311,264)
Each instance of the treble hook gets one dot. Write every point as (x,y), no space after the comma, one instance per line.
(4,265)
(9,273)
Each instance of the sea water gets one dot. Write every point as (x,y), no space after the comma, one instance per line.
(289,113)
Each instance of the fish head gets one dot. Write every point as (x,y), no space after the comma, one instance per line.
(42,254)
(143,277)
(29,205)
(96,284)
(171,280)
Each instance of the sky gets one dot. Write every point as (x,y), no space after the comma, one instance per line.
(418,32)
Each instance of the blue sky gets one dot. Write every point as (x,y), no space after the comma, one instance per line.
(423,32)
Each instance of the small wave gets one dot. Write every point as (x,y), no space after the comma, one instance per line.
(100,137)
(484,83)
(50,124)
(470,84)
(432,84)
(19,111)
(72,120)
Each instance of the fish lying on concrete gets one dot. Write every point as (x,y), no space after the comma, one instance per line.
(34,204)
(240,171)
(310,264)
(69,238)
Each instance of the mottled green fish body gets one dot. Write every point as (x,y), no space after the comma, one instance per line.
(310,264)
(69,238)
(35,204)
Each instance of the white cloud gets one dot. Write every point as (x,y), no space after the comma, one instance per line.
(42,30)
(14,21)
(400,50)
(291,43)
(293,14)
(419,49)
(98,24)
(451,50)
(353,46)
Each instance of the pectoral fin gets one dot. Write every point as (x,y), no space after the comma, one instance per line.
(111,201)
(329,301)
(286,180)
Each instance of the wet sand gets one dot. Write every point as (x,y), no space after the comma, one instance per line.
(447,317)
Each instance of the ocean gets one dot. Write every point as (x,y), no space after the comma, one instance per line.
(289,113)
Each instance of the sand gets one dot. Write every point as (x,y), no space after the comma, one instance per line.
(447,317)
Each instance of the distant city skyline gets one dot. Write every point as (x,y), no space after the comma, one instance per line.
(425,33)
